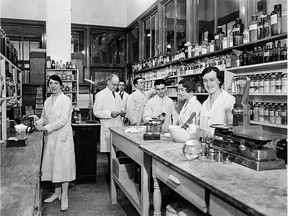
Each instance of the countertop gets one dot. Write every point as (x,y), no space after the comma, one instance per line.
(20,168)
(253,192)
(84,124)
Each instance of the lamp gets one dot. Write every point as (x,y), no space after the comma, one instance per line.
(90,117)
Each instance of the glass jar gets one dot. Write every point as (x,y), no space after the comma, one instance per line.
(284,82)
(212,46)
(256,112)
(278,114)
(225,43)
(253,28)
(251,89)
(219,35)
(261,83)
(272,81)
(276,20)
(272,113)
(237,32)
(278,83)
(266,112)
(266,83)
(284,114)
(266,26)
(260,27)
(246,38)
(284,52)
(256,84)
(261,112)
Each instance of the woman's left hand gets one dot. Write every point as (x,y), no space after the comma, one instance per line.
(40,127)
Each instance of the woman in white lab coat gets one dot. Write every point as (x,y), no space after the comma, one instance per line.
(191,105)
(217,108)
(58,163)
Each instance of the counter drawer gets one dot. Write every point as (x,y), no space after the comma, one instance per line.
(191,191)
(220,207)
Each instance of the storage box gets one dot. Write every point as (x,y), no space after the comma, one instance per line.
(123,168)
(14,142)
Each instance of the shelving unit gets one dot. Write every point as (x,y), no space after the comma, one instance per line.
(70,79)
(8,69)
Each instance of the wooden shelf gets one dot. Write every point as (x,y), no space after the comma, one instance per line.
(268,124)
(131,191)
(69,80)
(74,69)
(268,94)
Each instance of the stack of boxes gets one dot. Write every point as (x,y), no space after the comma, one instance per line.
(39,101)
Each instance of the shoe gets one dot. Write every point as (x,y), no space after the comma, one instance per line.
(64,203)
(52,198)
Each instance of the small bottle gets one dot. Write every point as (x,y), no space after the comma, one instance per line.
(253,28)
(256,84)
(272,113)
(266,112)
(266,54)
(225,43)
(261,112)
(284,52)
(278,83)
(237,32)
(261,83)
(212,46)
(219,35)
(246,38)
(260,27)
(256,112)
(272,81)
(284,114)
(266,84)
(266,27)
(64,76)
(284,82)
(276,20)
(278,114)
(48,63)
(274,52)
(53,65)
(279,50)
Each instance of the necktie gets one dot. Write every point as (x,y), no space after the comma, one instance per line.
(113,94)
(121,95)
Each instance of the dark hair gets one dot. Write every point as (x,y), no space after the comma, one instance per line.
(135,81)
(159,82)
(55,78)
(219,74)
(188,83)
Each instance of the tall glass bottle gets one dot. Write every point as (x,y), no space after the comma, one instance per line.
(253,28)
(276,20)
(237,32)
(267,26)
(260,27)
(219,35)
(272,113)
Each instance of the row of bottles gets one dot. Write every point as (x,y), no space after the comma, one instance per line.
(274,113)
(52,64)
(7,48)
(275,82)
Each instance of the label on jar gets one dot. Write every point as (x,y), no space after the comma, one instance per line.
(216,37)
(236,29)
(274,19)
(266,87)
(253,27)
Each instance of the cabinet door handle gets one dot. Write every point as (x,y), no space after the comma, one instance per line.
(174,179)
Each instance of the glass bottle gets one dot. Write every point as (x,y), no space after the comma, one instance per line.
(225,43)
(272,113)
(53,65)
(219,35)
(278,83)
(276,20)
(266,53)
(266,26)
(278,114)
(237,32)
(274,52)
(266,112)
(256,55)
(260,55)
(261,112)
(272,83)
(246,38)
(253,28)
(251,89)
(256,84)
(284,114)
(261,83)
(284,52)
(266,83)
(256,112)
(212,46)
(48,63)
(278,50)
(260,27)
(284,82)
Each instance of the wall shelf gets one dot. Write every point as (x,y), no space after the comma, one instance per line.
(269,124)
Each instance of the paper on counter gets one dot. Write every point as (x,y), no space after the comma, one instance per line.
(134,130)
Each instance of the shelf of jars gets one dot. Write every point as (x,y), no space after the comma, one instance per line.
(148,65)
(269,124)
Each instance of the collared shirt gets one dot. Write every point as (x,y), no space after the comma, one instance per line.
(156,106)
(193,105)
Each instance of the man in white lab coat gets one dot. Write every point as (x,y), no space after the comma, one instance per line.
(159,104)
(136,102)
(124,97)
(108,108)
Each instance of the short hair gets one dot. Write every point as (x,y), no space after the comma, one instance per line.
(110,77)
(159,82)
(55,78)
(122,82)
(219,74)
(188,83)
(135,81)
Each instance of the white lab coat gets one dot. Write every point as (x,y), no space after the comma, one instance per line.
(58,158)
(104,104)
(135,105)
(219,113)
(124,99)
(156,106)
(193,105)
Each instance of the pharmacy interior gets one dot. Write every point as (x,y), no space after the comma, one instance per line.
(159,39)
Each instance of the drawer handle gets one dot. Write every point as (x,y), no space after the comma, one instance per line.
(174,179)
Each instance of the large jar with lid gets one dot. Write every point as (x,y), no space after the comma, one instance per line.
(251,89)
(237,32)
(276,20)
(219,35)
(272,81)
(261,83)
(253,28)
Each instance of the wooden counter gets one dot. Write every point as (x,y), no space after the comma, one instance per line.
(20,168)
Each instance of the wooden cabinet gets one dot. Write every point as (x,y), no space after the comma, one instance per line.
(70,79)
(12,92)
(86,139)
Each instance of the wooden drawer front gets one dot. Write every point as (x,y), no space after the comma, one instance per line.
(182,185)
(220,207)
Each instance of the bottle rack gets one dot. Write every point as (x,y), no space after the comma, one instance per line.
(70,80)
